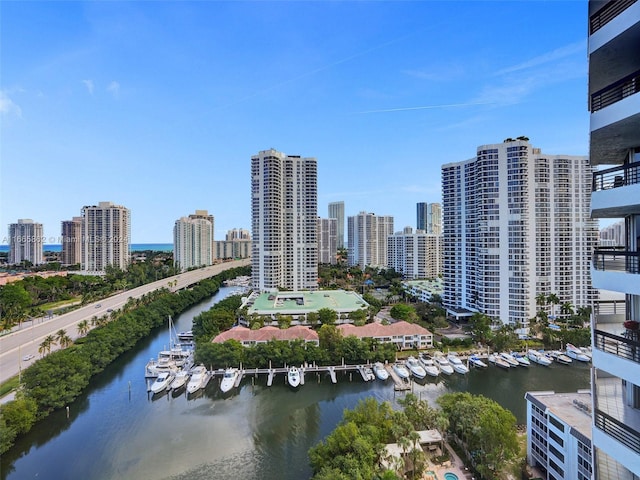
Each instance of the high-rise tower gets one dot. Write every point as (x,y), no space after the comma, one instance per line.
(516,226)
(25,242)
(614,103)
(193,240)
(106,236)
(284,213)
(336,210)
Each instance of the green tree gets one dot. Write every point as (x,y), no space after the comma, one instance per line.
(14,302)
(405,312)
(327,316)
(83,327)
(480,325)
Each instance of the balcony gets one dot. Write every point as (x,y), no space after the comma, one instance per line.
(617,425)
(615,92)
(616,260)
(616,191)
(616,270)
(608,13)
(619,345)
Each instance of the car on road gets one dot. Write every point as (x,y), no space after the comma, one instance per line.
(28,357)
(98,305)
(109,310)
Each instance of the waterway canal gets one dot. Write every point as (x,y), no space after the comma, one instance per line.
(116,431)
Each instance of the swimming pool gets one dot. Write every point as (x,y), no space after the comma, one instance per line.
(450,476)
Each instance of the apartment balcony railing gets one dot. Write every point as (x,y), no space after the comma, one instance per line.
(619,176)
(617,430)
(616,345)
(615,92)
(608,13)
(613,260)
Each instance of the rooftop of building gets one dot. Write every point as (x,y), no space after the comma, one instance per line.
(376,330)
(290,303)
(264,334)
(574,409)
(432,285)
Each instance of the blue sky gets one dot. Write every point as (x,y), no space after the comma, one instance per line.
(158,106)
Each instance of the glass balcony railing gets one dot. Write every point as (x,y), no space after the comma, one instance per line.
(615,177)
(615,92)
(616,260)
(608,13)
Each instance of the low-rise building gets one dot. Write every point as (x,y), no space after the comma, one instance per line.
(299,304)
(559,434)
(403,334)
(248,337)
(424,290)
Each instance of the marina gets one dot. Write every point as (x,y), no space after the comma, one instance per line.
(254,431)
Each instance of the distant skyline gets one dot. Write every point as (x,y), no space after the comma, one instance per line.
(159,106)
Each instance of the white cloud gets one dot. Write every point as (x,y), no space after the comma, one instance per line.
(8,106)
(114,88)
(579,47)
(89,85)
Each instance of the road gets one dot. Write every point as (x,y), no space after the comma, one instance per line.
(18,344)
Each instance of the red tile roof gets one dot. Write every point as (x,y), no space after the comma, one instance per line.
(379,330)
(264,334)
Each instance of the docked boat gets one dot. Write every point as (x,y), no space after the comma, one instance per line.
(523,360)
(498,361)
(576,353)
(178,356)
(229,379)
(200,377)
(510,359)
(180,380)
(476,362)
(560,357)
(186,337)
(443,364)
(368,374)
(457,364)
(428,365)
(401,371)
(162,381)
(380,371)
(415,368)
(293,377)
(538,358)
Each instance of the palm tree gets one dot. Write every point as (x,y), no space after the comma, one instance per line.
(541,299)
(60,334)
(83,327)
(48,342)
(566,308)
(553,299)
(65,341)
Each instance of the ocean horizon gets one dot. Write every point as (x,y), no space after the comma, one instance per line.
(135,247)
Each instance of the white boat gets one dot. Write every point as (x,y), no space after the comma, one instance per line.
(457,364)
(415,368)
(576,354)
(161,383)
(538,358)
(293,377)
(523,360)
(380,371)
(428,365)
(177,357)
(401,371)
(443,364)
(180,380)
(229,379)
(476,362)
(498,361)
(510,359)
(368,374)
(200,376)
(560,357)
(186,336)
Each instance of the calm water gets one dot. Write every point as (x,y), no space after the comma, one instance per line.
(257,432)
